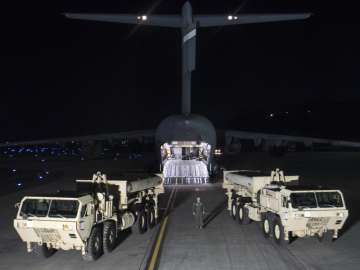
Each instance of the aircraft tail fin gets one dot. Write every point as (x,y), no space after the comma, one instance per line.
(155,20)
(188,24)
(189,47)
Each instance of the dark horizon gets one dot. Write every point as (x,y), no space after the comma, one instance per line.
(67,78)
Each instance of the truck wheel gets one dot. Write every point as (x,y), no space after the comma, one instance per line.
(109,236)
(43,251)
(279,232)
(266,226)
(244,215)
(142,222)
(239,213)
(94,247)
(233,209)
(151,217)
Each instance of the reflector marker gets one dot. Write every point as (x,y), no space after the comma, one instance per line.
(189,35)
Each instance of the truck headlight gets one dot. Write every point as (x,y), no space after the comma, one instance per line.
(307,214)
(21,224)
(341,214)
(67,227)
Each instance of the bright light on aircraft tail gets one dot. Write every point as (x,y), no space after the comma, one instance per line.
(143,19)
(188,25)
(185,167)
(236,19)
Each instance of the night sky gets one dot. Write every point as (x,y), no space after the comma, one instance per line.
(64,77)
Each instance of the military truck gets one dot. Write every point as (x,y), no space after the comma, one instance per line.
(89,219)
(285,209)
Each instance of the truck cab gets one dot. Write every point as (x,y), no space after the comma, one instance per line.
(306,211)
(91,218)
(59,221)
(285,209)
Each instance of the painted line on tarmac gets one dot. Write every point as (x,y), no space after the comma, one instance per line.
(153,261)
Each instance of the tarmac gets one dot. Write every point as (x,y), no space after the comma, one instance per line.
(222,243)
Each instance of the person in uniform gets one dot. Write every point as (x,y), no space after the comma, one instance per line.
(198,211)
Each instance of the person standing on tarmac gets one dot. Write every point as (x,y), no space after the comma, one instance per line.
(198,212)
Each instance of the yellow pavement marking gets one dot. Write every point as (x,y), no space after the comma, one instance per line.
(160,238)
(157,246)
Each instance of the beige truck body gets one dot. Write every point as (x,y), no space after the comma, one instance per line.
(45,226)
(56,232)
(276,196)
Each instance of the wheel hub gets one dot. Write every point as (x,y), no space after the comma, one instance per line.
(266,226)
(277,231)
(97,243)
(112,236)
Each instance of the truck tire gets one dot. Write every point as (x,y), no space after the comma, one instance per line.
(279,232)
(234,209)
(244,215)
(109,236)
(238,213)
(151,217)
(94,247)
(266,226)
(43,251)
(142,221)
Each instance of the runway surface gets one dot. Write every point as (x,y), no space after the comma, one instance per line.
(222,244)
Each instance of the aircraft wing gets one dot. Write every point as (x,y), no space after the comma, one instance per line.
(279,140)
(222,20)
(89,138)
(155,20)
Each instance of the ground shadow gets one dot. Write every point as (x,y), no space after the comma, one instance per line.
(353,205)
(215,212)
(181,197)
(123,235)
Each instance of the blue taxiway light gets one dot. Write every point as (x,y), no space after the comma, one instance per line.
(19,184)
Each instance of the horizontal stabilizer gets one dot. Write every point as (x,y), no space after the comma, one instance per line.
(222,20)
(155,20)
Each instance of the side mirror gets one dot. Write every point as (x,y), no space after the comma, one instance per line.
(17,205)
